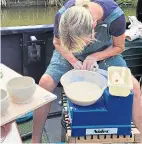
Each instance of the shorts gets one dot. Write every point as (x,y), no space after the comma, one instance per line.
(59,66)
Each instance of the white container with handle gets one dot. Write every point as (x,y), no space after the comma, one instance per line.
(119,81)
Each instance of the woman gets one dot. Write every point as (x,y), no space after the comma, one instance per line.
(86,34)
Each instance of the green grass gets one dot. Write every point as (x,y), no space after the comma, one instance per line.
(26,127)
(129,12)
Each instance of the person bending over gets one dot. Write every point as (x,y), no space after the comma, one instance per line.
(86,34)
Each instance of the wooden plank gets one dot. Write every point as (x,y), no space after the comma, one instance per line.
(137,135)
(135,138)
(69,138)
(102,140)
(40,98)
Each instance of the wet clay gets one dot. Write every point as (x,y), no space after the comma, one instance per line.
(83,91)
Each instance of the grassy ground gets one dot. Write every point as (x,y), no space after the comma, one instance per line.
(25,128)
(129,12)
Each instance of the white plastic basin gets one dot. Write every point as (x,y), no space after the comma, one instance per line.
(83,76)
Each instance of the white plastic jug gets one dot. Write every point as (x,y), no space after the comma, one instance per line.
(98,78)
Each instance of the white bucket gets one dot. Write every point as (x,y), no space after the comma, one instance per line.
(85,76)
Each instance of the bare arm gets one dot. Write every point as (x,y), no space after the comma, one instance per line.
(66,54)
(117,48)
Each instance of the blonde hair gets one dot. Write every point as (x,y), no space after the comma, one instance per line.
(83,3)
(75,27)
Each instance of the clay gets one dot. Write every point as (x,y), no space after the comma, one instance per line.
(83,92)
(5,101)
(21,89)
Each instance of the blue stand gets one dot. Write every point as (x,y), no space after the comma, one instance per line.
(109,115)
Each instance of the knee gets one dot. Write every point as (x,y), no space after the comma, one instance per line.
(47,82)
(43,81)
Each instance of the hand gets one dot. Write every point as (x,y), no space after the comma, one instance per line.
(78,65)
(90,64)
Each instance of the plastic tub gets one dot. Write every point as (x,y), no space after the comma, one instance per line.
(115,87)
(85,76)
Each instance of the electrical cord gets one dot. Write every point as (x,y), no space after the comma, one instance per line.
(63,124)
